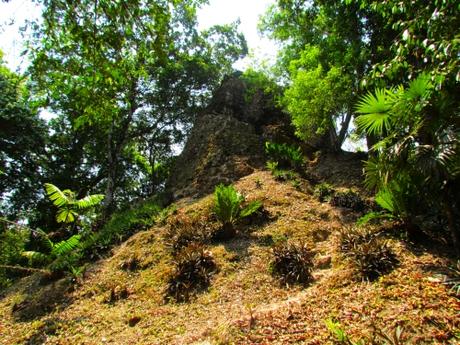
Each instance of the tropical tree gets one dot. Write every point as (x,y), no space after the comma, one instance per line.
(125,79)
(328,47)
(23,137)
(416,165)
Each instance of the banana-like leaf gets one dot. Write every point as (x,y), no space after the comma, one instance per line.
(65,247)
(66,215)
(58,197)
(89,201)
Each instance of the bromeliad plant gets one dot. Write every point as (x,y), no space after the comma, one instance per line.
(292,263)
(228,209)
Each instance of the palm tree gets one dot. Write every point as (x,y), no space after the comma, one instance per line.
(418,154)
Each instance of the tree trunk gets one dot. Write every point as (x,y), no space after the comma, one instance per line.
(344,129)
(111,175)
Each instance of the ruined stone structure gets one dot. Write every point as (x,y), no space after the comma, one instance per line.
(227,139)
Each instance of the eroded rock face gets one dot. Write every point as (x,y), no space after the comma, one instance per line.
(227,140)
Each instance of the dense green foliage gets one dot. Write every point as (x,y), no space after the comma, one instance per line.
(12,244)
(419,153)
(122,83)
(392,66)
(228,208)
(151,71)
(23,136)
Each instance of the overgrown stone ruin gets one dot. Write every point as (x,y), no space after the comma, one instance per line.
(227,139)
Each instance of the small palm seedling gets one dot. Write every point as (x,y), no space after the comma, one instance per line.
(228,209)
(69,207)
(292,263)
(369,253)
(340,335)
(194,267)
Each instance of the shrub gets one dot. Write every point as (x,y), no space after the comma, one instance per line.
(228,209)
(194,266)
(324,191)
(369,253)
(348,199)
(281,174)
(292,263)
(286,155)
(12,243)
(125,223)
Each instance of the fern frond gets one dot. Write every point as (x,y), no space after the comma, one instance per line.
(58,197)
(65,247)
(35,257)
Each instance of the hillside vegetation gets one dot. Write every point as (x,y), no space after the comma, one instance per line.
(171,199)
(122,298)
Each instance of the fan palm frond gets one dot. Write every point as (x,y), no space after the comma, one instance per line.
(419,88)
(375,112)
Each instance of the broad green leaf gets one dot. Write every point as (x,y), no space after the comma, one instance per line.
(56,195)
